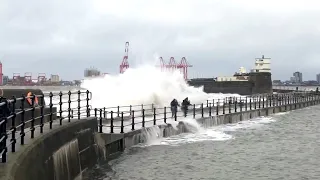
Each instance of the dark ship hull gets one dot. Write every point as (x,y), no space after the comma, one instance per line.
(257,83)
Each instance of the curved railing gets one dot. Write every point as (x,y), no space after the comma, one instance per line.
(24,115)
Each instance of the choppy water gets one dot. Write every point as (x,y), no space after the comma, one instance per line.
(286,146)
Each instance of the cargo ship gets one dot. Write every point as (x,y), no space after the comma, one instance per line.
(257,81)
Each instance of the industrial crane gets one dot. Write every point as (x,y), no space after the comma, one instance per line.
(125,64)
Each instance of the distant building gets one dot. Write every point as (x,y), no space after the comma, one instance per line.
(297,78)
(318,78)
(55,78)
(276,82)
(91,72)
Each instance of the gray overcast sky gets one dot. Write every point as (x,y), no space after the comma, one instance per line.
(217,37)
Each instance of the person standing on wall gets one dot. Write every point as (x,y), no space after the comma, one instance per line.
(185,104)
(174,107)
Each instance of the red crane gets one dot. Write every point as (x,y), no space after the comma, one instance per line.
(27,78)
(41,78)
(172,64)
(16,79)
(162,64)
(183,66)
(125,65)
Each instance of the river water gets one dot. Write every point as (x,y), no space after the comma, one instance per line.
(283,146)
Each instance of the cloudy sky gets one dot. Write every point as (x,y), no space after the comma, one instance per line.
(216,36)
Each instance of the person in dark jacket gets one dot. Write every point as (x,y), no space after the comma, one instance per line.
(174,107)
(185,104)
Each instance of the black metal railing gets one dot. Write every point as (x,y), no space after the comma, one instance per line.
(23,118)
(26,114)
(136,119)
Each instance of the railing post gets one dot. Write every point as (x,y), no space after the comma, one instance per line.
(230,106)
(209,109)
(255,102)
(246,105)
(175,116)
(13,125)
(143,120)
(201,109)
(130,109)
(3,128)
(32,115)
(235,105)
(207,103)
(250,104)
(69,106)
(218,103)
(41,113)
(259,102)
(241,104)
(122,122)
(79,103)
(154,116)
(194,111)
(100,121)
(132,123)
(95,112)
(263,101)
(88,99)
(111,122)
(165,114)
(60,107)
(22,133)
(118,111)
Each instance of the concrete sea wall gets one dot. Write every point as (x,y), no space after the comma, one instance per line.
(62,153)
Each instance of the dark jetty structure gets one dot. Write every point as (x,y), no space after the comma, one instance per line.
(258,81)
